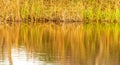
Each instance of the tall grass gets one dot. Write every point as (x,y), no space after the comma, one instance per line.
(60,10)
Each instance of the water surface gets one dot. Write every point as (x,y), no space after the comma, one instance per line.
(64,44)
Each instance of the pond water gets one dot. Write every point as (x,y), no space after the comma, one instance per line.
(64,44)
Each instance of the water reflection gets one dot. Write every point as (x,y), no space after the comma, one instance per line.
(51,44)
(20,57)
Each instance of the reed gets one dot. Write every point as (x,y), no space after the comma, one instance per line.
(60,10)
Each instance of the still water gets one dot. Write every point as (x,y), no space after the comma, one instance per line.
(64,44)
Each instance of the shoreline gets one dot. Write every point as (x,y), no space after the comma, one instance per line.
(55,20)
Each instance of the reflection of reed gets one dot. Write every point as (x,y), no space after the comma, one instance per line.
(8,42)
(92,44)
(8,38)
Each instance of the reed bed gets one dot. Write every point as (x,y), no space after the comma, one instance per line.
(81,44)
(60,10)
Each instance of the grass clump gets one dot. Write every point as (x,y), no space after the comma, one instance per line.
(60,10)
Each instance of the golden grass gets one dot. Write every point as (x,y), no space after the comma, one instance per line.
(63,10)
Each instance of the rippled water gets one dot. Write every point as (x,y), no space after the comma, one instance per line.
(65,44)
